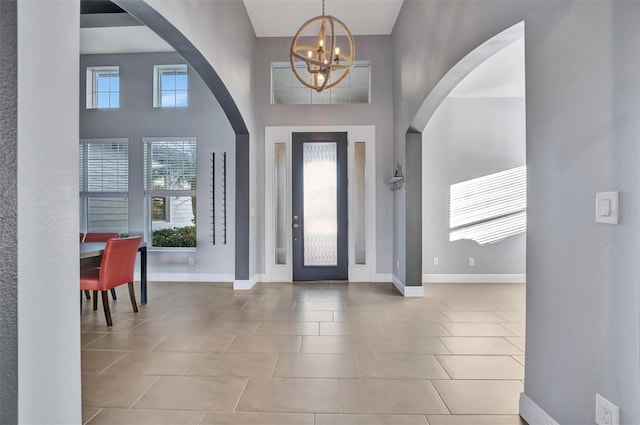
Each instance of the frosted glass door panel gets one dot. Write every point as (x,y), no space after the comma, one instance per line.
(320,204)
(360,203)
(280,178)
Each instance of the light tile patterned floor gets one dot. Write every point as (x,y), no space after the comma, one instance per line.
(313,353)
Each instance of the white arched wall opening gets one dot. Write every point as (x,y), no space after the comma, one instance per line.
(46,305)
(412,284)
(158,23)
(476,136)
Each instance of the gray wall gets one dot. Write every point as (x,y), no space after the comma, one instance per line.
(583,103)
(49,389)
(137,118)
(469,137)
(377,50)
(8,213)
(221,31)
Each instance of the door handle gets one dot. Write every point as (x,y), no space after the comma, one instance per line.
(296,225)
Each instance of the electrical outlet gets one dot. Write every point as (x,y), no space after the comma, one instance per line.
(607,413)
(191,261)
(436,261)
(397,264)
(472,261)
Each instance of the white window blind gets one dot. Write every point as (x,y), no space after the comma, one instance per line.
(170,165)
(104,167)
(489,209)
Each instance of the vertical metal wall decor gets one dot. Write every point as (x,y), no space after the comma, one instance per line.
(219,209)
(213,198)
(224,198)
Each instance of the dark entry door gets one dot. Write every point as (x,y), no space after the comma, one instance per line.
(320,239)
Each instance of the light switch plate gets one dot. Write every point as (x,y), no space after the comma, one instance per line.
(607,207)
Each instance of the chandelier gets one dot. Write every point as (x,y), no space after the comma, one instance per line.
(326,62)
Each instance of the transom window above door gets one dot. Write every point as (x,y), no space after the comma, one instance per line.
(287,90)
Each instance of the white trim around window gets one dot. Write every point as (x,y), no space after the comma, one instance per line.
(179,90)
(94,90)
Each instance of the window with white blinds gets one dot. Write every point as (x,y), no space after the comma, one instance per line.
(104,185)
(104,166)
(489,209)
(170,189)
(170,166)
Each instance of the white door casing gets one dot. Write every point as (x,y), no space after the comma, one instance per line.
(282,134)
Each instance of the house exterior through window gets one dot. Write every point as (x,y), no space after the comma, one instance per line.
(170,191)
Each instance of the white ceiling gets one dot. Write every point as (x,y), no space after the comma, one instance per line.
(502,75)
(136,39)
(282,18)
(270,18)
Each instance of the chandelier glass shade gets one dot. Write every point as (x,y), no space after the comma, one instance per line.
(322,52)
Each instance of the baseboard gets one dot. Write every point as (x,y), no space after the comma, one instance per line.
(187,277)
(532,413)
(384,277)
(474,278)
(407,291)
(245,285)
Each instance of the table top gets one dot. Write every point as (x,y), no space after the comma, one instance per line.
(95,249)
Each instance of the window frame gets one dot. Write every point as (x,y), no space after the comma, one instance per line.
(157,85)
(92,86)
(150,193)
(85,194)
(344,84)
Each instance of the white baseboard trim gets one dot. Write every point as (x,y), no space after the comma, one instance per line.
(384,277)
(408,291)
(532,413)
(245,285)
(474,278)
(187,277)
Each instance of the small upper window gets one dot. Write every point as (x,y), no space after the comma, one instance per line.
(287,90)
(170,86)
(103,87)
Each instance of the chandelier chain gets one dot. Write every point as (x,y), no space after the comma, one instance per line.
(322,7)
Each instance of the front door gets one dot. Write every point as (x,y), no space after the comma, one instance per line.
(319,206)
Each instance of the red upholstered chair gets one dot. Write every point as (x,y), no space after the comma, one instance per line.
(100,237)
(116,268)
(81,237)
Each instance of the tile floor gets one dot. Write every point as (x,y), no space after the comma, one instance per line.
(315,353)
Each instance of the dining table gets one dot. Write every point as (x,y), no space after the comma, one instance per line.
(96,249)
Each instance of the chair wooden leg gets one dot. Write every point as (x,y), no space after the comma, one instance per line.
(105,306)
(132,295)
(113,294)
(87,294)
(95,300)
